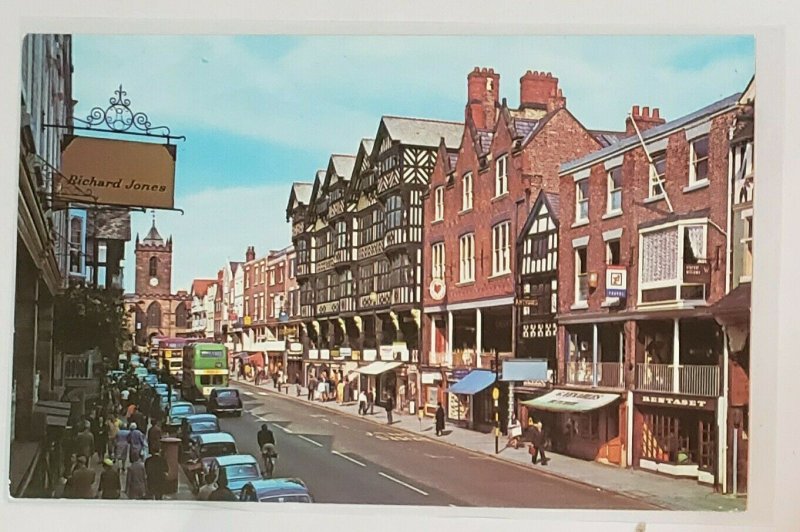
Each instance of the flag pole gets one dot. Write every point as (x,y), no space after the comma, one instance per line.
(652,167)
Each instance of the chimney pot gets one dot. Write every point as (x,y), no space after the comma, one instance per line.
(635,111)
(655,113)
(645,112)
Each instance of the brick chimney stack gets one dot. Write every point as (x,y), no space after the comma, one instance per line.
(250,256)
(644,120)
(540,90)
(483,95)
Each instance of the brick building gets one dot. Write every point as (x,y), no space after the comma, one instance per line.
(478,198)
(641,260)
(203,292)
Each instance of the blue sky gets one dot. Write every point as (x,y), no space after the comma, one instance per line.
(260,112)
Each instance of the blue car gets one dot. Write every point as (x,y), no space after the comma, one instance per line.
(275,490)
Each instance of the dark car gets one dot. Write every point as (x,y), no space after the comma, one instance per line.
(197,424)
(275,490)
(224,400)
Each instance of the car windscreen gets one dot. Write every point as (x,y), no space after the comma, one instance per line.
(180,410)
(241,471)
(286,498)
(209,450)
(175,363)
(204,426)
(227,394)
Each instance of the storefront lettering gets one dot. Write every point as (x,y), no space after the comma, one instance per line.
(674,401)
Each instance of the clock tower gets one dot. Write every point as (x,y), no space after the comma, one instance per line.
(154,263)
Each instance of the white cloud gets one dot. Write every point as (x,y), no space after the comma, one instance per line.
(219,225)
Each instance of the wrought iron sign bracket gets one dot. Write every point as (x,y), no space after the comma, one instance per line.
(119,119)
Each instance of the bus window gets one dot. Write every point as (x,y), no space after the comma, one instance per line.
(217,379)
(205,379)
(211,354)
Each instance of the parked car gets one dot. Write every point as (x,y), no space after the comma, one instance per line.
(275,490)
(224,400)
(203,448)
(141,372)
(164,399)
(177,412)
(236,469)
(197,424)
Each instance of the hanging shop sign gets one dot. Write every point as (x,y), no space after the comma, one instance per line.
(387,352)
(295,347)
(616,281)
(697,273)
(117,172)
(437,289)
(345,352)
(313,354)
(370,355)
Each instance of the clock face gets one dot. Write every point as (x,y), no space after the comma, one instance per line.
(153,281)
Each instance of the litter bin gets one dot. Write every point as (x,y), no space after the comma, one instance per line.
(170,447)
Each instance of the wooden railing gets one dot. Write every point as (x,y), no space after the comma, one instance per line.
(691,379)
(609,374)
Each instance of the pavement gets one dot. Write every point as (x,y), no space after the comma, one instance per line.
(347,459)
(654,489)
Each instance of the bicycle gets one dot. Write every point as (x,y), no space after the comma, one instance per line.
(269,455)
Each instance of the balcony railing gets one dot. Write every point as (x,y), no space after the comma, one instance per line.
(609,374)
(437,359)
(691,379)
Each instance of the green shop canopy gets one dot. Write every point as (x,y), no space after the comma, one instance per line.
(571,401)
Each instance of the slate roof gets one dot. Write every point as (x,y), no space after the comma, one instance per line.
(343,165)
(652,133)
(485,140)
(423,131)
(367,145)
(607,138)
(524,127)
(554,202)
(302,192)
(153,237)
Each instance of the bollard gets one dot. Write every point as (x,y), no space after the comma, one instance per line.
(170,449)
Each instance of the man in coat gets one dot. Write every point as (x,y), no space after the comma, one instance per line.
(84,442)
(81,484)
(156,469)
(535,435)
(154,437)
(439,419)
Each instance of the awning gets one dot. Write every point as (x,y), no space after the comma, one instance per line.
(733,308)
(571,401)
(376,368)
(475,381)
(525,370)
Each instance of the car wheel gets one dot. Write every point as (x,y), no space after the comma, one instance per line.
(239,413)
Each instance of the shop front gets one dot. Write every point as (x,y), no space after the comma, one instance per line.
(470,402)
(432,391)
(294,362)
(675,435)
(581,424)
(386,379)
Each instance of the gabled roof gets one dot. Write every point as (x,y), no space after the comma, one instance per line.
(235,265)
(340,167)
(653,133)
(299,195)
(551,201)
(423,131)
(200,286)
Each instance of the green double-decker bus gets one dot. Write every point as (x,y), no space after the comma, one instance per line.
(205,367)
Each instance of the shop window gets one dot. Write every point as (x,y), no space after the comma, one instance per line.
(586,426)
(684,440)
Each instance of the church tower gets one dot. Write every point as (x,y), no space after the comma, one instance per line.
(154,263)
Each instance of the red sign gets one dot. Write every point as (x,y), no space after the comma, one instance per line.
(699,273)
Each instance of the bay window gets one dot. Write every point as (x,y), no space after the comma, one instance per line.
(394,212)
(670,258)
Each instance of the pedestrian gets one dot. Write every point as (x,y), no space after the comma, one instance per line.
(110,485)
(362,403)
(275,379)
(81,482)
(258,377)
(84,442)
(340,392)
(130,411)
(389,408)
(156,470)
(439,419)
(112,428)
(136,441)
(537,440)
(207,488)
(154,437)
(222,493)
(136,480)
(100,433)
(140,420)
(297,382)
(371,401)
(312,387)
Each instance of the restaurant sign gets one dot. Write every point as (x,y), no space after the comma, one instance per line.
(697,273)
(698,403)
(117,172)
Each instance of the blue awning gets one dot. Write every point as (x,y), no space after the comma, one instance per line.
(474,382)
(525,370)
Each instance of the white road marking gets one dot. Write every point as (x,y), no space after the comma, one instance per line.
(409,486)
(337,453)
(284,429)
(438,457)
(335,423)
(370,434)
(247,393)
(265,394)
(309,440)
(326,420)
(452,505)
